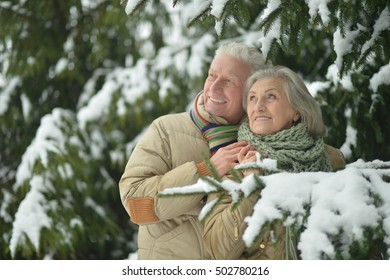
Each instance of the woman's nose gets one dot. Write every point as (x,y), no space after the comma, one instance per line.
(259,106)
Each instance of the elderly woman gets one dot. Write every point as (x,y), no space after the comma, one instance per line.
(284,123)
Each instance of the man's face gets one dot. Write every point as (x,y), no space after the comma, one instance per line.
(224,86)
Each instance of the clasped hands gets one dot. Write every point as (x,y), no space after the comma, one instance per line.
(228,157)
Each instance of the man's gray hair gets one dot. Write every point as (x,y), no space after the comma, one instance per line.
(246,53)
(298,96)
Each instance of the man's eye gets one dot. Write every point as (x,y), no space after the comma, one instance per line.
(229,83)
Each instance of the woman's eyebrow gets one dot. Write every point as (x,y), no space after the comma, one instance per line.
(271,89)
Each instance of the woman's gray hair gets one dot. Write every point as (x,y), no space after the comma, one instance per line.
(246,53)
(298,96)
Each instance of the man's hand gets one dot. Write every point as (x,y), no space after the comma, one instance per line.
(247,154)
(227,157)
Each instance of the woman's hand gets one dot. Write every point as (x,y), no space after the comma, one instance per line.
(247,154)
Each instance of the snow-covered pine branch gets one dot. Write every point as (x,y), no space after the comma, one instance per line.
(338,215)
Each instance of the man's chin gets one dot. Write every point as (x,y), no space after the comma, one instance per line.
(216,111)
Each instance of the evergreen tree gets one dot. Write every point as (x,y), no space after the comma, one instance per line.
(341,45)
(77,86)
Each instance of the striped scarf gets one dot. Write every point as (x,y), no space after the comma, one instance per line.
(216,135)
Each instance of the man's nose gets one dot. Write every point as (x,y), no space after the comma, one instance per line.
(217,83)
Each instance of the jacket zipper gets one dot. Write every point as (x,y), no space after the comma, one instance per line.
(235,227)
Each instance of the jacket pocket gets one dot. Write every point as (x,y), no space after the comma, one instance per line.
(181,243)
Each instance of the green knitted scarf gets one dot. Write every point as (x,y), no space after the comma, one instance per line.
(293,149)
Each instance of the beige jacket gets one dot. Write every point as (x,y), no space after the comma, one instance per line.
(223,229)
(166,157)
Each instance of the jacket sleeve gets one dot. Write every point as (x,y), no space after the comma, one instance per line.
(149,171)
(336,157)
(224,228)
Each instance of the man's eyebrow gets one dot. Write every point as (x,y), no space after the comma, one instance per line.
(233,77)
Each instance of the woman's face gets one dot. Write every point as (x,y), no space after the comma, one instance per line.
(268,108)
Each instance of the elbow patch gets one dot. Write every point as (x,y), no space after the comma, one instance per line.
(142,210)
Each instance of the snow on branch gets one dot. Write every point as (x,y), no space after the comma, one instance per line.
(132,5)
(49,138)
(333,212)
(381,24)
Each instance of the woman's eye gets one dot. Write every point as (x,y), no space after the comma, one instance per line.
(271,96)
(252,98)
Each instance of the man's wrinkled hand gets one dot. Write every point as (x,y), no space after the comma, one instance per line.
(226,158)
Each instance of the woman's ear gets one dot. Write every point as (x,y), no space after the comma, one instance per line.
(296,117)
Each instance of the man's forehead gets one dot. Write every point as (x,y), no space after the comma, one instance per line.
(228,65)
